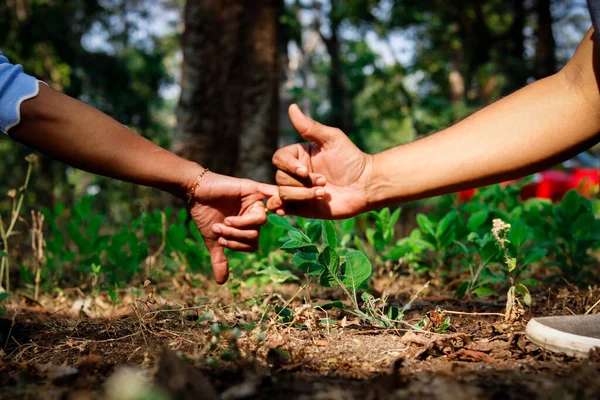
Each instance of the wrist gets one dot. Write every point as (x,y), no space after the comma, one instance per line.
(188,183)
(377,185)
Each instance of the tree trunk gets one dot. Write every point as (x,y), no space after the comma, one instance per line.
(228,111)
(545,59)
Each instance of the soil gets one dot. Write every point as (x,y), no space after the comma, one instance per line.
(166,340)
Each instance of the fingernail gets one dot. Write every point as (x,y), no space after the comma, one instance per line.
(320,192)
(227,222)
(222,242)
(216,229)
(321,181)
(301,171)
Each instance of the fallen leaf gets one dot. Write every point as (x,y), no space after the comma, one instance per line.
(471,355)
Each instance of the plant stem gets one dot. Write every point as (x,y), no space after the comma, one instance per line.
(5,267)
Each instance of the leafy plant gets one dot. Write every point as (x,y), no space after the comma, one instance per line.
(348,272)
(441,236)
(512,250)
(381,236)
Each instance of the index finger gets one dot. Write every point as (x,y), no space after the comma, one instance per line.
(253,217)
(288,159)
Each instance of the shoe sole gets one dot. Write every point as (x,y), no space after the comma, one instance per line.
(560,342)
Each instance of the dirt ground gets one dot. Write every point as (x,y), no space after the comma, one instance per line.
(168,343)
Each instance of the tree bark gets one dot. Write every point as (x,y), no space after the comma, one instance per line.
(545,59)
(228,116)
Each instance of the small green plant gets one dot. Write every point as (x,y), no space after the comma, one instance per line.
(96,268)
(513,251)
(380,237)
(441,236)
(331,269)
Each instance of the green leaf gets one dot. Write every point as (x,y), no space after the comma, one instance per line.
(571,203)
(525,293)
(277,275)
(93,228)
(182,215)
(296,234)
(370,234)
(302,258)
(279,222)
(512,264)
(329,234)
(488,252)
(534,255)
(313,269)
(473,237)
(3,254)
(330,262)
(394,313)
(347,225)
(297,244)
(394,217)
(425,224)
(357,269)
(518,234)
(4,296)
(462,289)
(483,291)
(445,223)
(477,219)
(58,209)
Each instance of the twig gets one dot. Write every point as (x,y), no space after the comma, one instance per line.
(592,307)
(10,330)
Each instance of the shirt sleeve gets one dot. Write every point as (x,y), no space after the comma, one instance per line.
(594,7)
(15,88)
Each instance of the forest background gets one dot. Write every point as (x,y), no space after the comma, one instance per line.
(212,80)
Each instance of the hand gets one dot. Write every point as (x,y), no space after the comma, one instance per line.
(229,213)
(330,160)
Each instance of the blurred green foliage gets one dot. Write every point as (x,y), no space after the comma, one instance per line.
(119,70)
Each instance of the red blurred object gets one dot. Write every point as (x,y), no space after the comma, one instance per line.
(553,184)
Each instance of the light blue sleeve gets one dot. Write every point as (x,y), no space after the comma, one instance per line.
(15,88)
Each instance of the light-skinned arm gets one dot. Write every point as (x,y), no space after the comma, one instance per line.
(85,138)
(534,128)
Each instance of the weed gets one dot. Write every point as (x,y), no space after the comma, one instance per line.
(6,231)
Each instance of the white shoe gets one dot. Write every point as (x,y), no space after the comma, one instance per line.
(573,335)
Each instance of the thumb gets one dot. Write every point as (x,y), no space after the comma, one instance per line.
(311,129)
(218,260)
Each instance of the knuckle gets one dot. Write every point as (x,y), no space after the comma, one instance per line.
(262,219)
(280,176)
